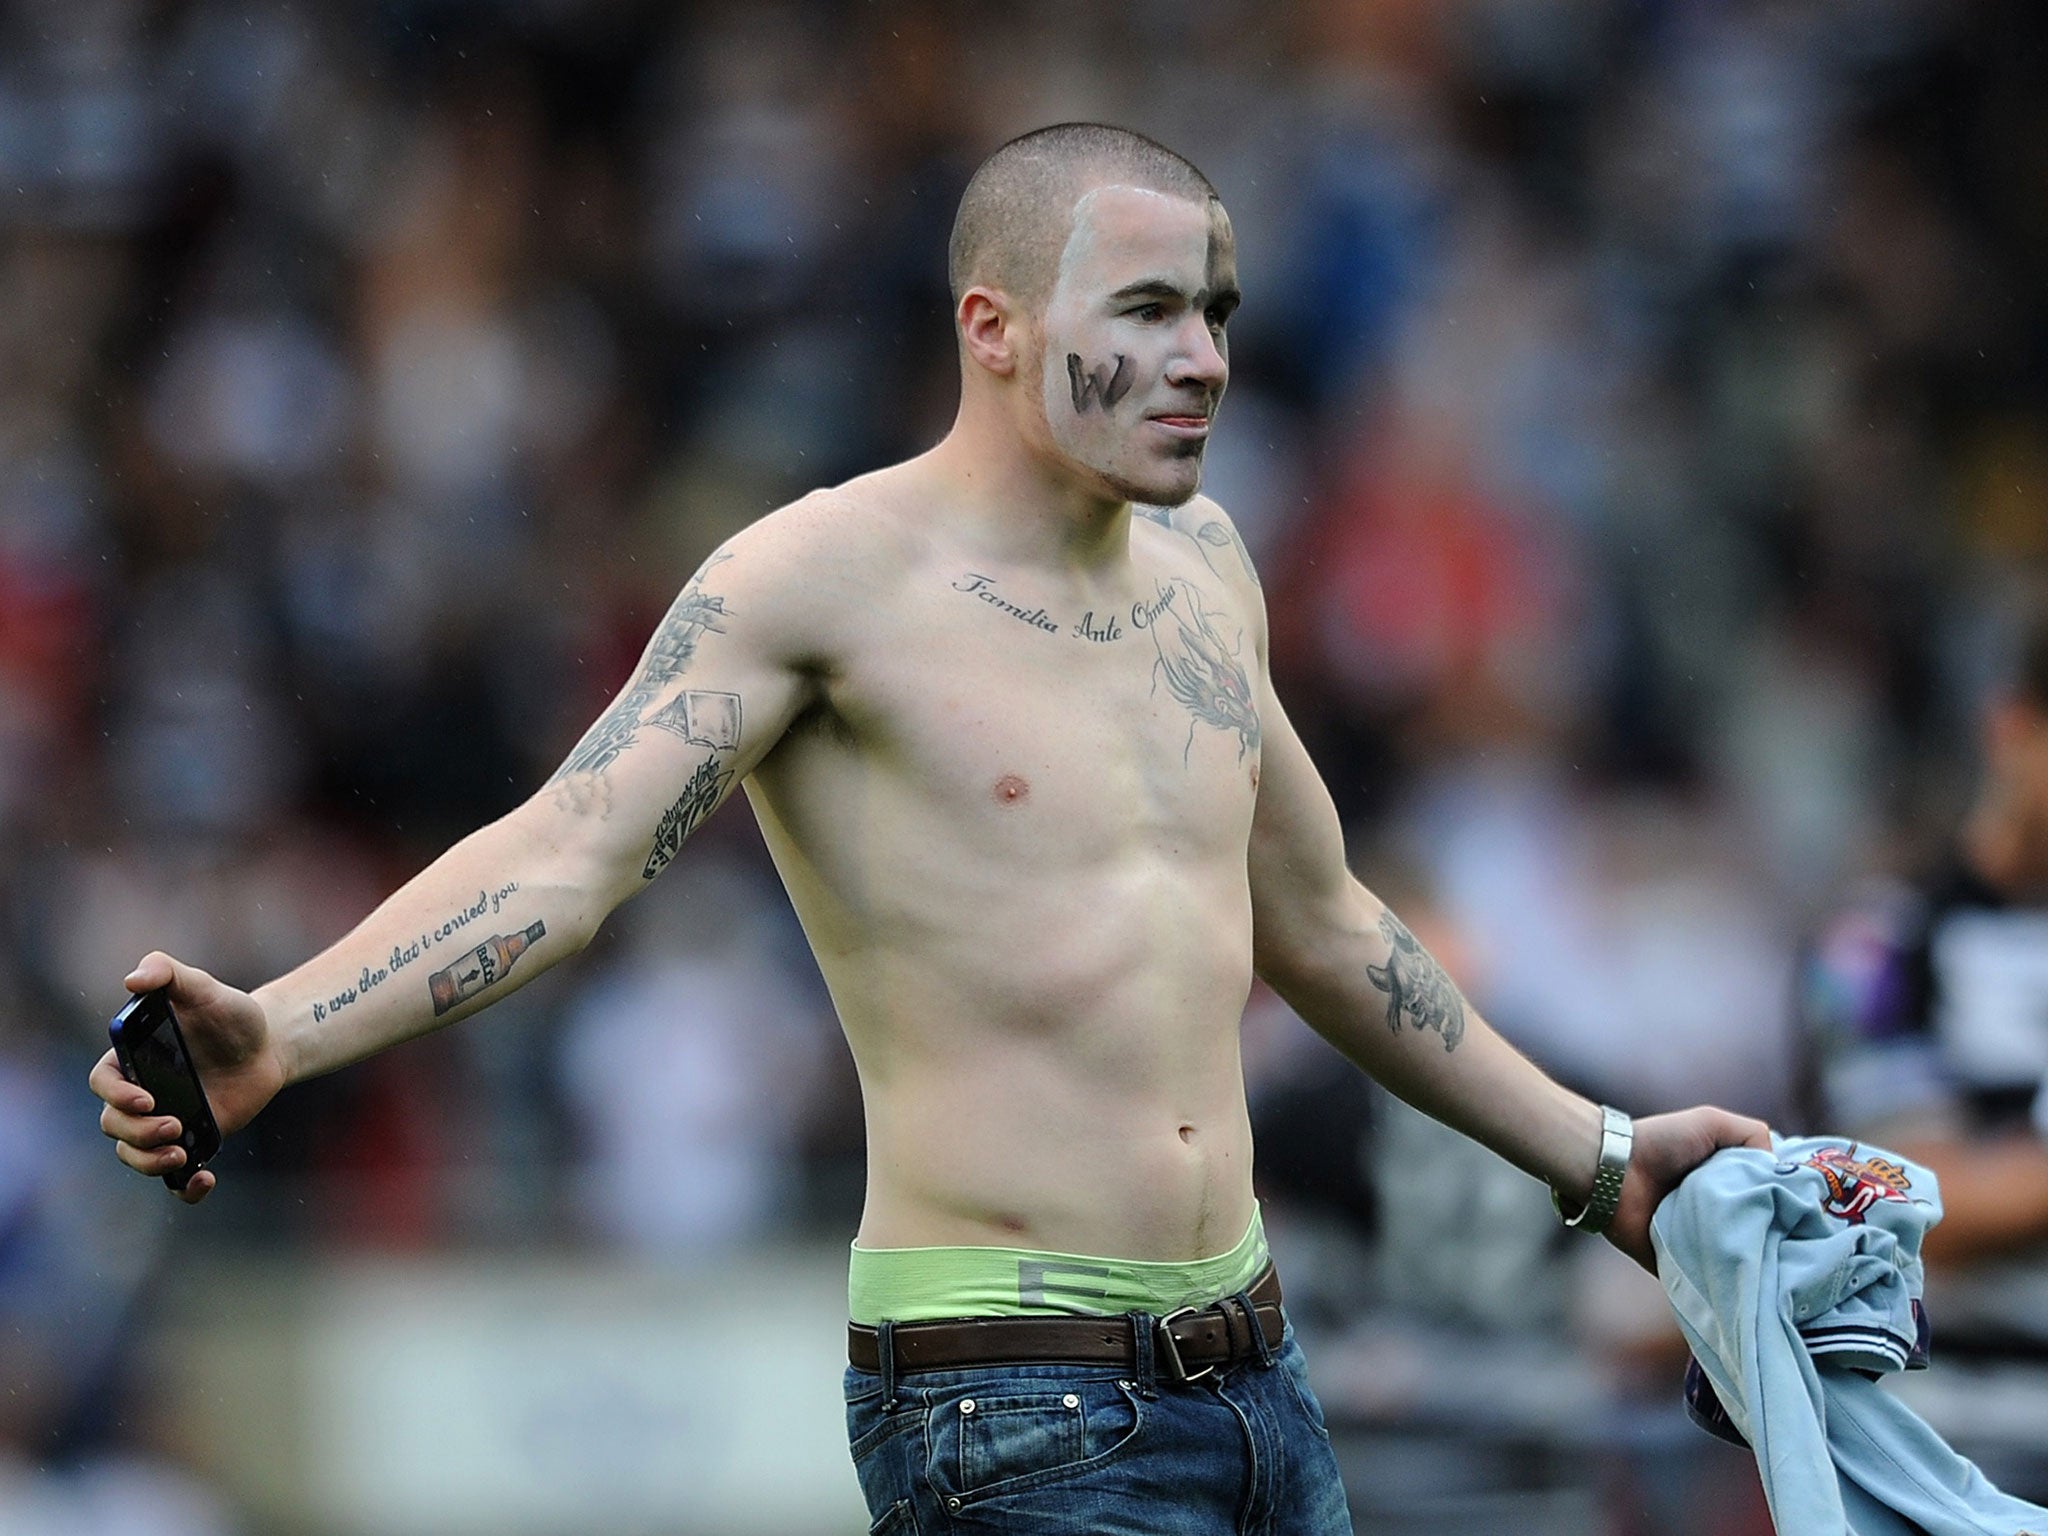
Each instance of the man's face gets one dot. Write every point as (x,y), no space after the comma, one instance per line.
(1135,359)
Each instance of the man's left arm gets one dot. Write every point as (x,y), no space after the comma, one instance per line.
(1344,962)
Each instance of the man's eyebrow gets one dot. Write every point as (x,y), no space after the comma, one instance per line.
(1166,288)
(1149,288)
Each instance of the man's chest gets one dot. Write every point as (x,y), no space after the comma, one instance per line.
(1023,710)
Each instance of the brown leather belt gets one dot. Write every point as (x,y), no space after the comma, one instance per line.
(1187,1345)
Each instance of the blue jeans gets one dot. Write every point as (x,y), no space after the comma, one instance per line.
(1070,1450)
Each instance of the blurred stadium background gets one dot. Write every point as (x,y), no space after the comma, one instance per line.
(1638,413)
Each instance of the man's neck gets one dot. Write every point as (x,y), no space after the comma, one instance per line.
(1021,509)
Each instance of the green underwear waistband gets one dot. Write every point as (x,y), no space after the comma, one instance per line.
(908,1285)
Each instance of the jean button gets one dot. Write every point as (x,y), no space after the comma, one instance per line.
(967,1405)
(1071,1401)
(952,1503)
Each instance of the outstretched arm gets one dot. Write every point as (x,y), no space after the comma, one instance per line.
(716,687)
(1353,970)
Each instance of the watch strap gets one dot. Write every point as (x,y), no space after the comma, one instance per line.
(1617,1139)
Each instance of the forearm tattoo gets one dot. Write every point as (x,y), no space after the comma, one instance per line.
(668,656)
(483,967)
(1418,992)
(404,954)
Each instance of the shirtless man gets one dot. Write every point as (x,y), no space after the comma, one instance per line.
(1004,716)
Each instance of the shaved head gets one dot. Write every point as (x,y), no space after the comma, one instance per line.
(1017,212)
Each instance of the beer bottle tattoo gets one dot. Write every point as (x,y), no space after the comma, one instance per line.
(482,967)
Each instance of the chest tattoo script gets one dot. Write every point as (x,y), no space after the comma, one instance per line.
(984,587)
(1201,672)
(1419,994)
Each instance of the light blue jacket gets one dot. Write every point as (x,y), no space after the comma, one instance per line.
(1794,1275)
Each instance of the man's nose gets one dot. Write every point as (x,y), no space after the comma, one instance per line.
(1201,359)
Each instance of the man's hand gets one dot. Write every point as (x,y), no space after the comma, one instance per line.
(231,1045)
(1667,1148)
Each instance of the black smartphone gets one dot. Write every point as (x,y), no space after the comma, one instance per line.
(151,1050)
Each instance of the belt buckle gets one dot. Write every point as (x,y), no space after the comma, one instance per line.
(1170,1346)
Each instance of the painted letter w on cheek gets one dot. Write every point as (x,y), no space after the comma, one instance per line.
(1098,384)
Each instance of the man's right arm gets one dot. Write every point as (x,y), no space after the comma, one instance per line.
(719,682)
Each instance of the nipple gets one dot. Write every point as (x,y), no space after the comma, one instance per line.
(1011,790)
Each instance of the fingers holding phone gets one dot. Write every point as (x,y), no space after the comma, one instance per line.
(178,1133)
(146,1142)
(191,1058)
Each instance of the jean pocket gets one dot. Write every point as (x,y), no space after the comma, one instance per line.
(900,1519)
(1295,1369)
(870,1422)
(1012,1435)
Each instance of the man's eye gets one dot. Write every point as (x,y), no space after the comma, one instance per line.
(1148,312)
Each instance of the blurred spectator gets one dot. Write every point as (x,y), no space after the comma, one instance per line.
(1927,1003)
(689,1069)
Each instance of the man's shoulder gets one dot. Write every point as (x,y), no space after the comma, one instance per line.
(813,566)
(858,521)
(1215,535)
(830,538)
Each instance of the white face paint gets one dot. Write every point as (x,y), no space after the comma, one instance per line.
(1135,359)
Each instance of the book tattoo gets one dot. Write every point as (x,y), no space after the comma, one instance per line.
(668,656)
(1418,992)
(702,718)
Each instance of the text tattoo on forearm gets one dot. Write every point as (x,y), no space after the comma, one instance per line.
(404,954)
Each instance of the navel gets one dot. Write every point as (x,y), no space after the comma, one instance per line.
(1011,790)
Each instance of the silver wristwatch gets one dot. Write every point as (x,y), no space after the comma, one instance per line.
(1617,1136)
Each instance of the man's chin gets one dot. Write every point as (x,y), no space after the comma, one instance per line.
(1163,489)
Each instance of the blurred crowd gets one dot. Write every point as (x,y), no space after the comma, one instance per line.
(1639,412)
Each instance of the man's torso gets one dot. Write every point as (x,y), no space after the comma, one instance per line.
(1013,820)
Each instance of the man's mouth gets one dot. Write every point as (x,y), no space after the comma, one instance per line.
(1182,423)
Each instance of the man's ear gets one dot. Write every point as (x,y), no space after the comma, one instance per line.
(991,329)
